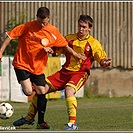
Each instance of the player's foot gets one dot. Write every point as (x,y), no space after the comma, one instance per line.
(43,125)
(71,126)
(23,121)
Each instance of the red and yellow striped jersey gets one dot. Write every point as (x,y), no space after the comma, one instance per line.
(90,46)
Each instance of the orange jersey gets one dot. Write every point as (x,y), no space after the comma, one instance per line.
(32,39)
(89,46)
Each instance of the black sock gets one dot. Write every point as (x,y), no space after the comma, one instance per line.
(41,106)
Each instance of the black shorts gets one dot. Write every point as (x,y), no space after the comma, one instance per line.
(38,80)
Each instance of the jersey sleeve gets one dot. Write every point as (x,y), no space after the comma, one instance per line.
(17,31)
(98,52)
(60,40)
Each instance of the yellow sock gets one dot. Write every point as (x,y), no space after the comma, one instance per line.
(71,104)
(32,110)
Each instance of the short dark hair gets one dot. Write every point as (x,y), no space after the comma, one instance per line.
(43,12)
(87,19)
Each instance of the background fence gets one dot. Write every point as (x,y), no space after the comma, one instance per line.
(113,23)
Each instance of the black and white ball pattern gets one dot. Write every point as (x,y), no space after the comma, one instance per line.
(6,110)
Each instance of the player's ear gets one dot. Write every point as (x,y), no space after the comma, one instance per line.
(48,18)
(90,28)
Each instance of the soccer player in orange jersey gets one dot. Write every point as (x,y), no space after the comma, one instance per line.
(73,74)
(35,40)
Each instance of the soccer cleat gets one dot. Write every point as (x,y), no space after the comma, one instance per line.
(43,126)
(23,121)
(71,126)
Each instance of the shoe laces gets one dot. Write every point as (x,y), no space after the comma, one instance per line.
(70,124)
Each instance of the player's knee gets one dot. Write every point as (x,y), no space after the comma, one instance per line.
(69,91)
(28,93)
(41,91)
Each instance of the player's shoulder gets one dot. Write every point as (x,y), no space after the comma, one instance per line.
(71,36)
(52,27)
(92,39)
(30,23)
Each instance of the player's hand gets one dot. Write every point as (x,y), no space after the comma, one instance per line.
(79,56)
(48,50)
(106,62)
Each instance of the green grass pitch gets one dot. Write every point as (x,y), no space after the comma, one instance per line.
(93,114)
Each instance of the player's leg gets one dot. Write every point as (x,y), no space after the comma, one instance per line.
(26,86)
(77,80)
(71,103)
(29,118)
(40,87)
(42,101)
(23,78)
(32,110)
(41,124)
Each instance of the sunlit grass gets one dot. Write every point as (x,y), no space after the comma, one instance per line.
(93,114)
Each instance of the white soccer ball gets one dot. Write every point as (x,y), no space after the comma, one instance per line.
(6,110)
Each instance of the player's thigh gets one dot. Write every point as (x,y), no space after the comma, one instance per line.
(49,88)
(23,78)
(38,80)
(57,80)
(22,74)
(77,80)
(26,85)
(39,83)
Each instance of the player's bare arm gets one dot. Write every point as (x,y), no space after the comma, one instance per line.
(4,45)
(76,55)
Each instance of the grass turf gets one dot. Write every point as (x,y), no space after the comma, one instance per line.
(93,114)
